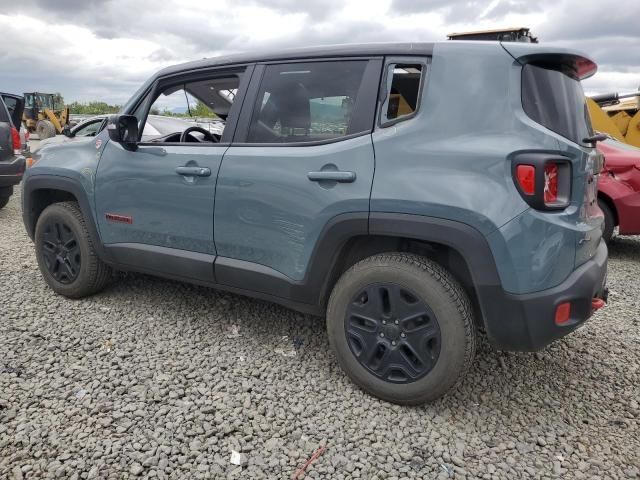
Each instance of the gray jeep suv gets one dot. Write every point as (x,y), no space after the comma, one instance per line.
(414,194)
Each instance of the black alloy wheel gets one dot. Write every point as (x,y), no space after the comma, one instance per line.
(61,252)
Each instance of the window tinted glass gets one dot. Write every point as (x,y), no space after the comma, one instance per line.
(402,99)
(89,130)
(4,116)
(305,102)
(11,104)
(204,103)
(553,97)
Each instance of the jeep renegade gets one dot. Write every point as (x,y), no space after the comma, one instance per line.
(414,194)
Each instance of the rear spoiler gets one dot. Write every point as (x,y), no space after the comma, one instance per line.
(584,66)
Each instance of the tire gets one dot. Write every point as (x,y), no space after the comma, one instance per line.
(45,129)
(609,221)
(422,286)
(61,232)
(3,202)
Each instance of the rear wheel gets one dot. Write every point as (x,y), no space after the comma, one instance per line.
(401,327)
(65,252)
(45,129)
(609,221)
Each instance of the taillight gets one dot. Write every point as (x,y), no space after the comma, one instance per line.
(544,181)
(526,176)
(15,140)
(550,183)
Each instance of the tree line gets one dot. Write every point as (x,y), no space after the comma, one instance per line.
(100,108)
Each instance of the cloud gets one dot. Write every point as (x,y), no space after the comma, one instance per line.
(103,49)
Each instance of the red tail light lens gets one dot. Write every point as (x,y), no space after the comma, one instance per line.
(543,180)
(15,140)
(526,176)
(550,183)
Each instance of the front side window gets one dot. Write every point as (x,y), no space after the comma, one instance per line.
(552,96)
(201,105)
(308,102)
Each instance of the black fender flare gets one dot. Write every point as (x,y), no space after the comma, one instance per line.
(63,184)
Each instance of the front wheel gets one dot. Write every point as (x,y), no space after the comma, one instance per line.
(65,253)
(401,327)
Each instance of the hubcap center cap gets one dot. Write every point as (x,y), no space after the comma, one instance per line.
(392,332)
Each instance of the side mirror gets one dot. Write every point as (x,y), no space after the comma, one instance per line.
(66,131)
(123,129)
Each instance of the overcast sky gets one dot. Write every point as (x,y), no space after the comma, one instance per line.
(104,49)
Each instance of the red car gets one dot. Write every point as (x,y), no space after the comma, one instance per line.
(619,188)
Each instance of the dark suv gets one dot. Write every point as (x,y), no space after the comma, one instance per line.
(415,194)
(12,162)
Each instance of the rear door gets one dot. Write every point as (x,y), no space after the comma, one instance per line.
(302,156)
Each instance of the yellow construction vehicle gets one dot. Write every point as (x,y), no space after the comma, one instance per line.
(617,115)
(42,115)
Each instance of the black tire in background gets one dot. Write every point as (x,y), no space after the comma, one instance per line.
(609,221)
(45,129)
(452,325)
(4,201)
(65,253)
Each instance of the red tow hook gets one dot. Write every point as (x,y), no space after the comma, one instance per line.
(597,303)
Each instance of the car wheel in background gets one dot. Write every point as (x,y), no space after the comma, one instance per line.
(65,252)
(401,327)
(609,221)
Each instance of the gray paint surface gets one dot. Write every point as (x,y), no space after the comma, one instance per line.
(449,161)
(270,213)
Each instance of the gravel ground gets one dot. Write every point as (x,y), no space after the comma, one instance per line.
(153,378)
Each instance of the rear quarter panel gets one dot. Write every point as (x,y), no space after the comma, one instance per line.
(451,161)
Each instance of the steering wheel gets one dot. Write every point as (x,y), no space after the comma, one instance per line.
(207,135)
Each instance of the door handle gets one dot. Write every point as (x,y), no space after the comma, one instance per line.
(332,176)
(194,171)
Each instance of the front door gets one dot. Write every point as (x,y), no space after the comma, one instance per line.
(154,205)
(302,156)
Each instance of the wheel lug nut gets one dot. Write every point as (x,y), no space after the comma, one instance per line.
(382,334)
(403,335)
(393,343)
(396,322)
(384,322)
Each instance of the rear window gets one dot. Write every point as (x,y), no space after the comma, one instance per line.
(4,117)
(553,97)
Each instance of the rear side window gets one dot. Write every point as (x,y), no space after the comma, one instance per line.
(403,87)
(309,102)
(553,97)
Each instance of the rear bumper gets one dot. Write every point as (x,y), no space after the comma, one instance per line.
(11,171)
(527,322)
